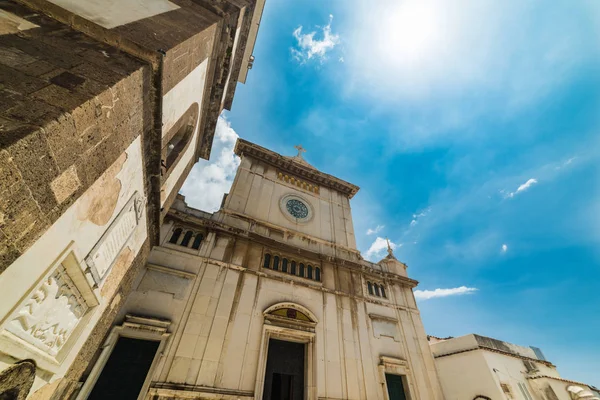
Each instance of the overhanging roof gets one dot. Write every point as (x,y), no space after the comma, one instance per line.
(293,166)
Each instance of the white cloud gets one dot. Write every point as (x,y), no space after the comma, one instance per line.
(379,248)
(530,182)
(309,47)
(208,181)
(504,248)
(419,215)
(377,229)
(566,163)
(430,294)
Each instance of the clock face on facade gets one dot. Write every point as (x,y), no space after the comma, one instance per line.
(297,208)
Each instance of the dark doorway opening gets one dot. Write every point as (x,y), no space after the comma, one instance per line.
(395,387)
(284,374)
(125,371)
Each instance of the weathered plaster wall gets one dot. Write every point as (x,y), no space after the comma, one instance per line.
(466,375)
(256,192)
(217,320)
(175,103)
(78,229)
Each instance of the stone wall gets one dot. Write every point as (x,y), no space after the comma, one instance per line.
(91,95)
(216,314)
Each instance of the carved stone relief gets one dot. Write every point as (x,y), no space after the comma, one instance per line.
(51,314)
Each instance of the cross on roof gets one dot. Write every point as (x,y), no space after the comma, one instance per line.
(300,150)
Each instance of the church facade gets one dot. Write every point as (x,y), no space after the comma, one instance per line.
(267,298)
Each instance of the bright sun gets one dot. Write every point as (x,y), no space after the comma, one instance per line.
(410,33)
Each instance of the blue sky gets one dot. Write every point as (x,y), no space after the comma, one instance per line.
(473,131)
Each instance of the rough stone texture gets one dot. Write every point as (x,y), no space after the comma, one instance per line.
(57,119)
(73,96)
(16,380)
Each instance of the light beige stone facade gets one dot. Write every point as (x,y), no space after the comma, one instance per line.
(226,285)
(477,367)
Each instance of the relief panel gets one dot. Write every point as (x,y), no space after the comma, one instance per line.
(48,318)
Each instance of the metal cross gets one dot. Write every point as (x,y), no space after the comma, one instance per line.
(300,150)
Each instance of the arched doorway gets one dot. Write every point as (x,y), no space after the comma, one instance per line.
(287,358)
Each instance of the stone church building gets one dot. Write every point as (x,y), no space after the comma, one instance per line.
(112,288)
(267,298)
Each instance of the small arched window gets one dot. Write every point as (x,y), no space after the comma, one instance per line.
(370,287)
(267,263)
(186,239)
(293,268)
(197,241)
(383,291)
(309,270)
(175,236)
(318,274)
(301,270)
(284,264)
(176,142)
(377,290)
(275,263)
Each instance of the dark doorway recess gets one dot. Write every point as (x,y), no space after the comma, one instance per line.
(125,371)
(395,387)
(284,375)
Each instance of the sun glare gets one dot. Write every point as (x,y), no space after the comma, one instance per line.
(410,33)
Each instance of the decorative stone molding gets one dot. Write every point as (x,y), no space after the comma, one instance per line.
(291,166)
(137,327)
(300,202)
(104,254)
(53,311)
(396,366)
(47,319)
(293,330)
(298,182)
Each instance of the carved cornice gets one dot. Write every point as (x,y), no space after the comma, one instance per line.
(251,234)
(288,164)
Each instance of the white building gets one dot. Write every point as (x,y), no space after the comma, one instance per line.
(475,367)
(268,298)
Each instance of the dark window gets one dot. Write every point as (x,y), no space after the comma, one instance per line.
(309,270)
(175,236)
(293,268)
(275,263)
(302,270)
(284,263)
(125,371)
(318,274)
(370,287)
(395,387)
(179,139)
(377,290)
(267,263)
(383,291)
(197,241)
(186,239)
